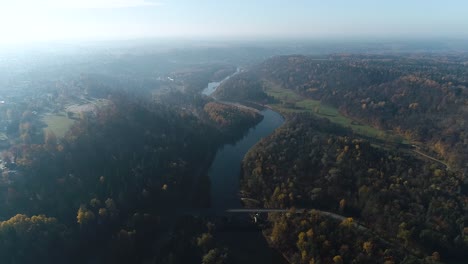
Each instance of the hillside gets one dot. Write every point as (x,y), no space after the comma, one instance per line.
(314,164)
(422,99)
(109,190)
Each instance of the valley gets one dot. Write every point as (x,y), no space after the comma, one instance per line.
(295,159)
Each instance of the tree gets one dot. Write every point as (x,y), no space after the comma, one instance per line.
(84,215)
(214,256)
(342,204)
(403,233)
(348,222)
(301,241)
(35,239)
(205,241)
(103,212)
(95,202)
(367,247)
(111,208)
(50,140)
(26,138)
(278,232)
(338,259)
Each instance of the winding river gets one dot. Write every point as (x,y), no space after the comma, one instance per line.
(211,87)
(247,246)
(225,170)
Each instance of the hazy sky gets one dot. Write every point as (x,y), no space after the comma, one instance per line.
(26,20)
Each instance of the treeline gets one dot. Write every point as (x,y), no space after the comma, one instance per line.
(312,163)
(231,120)
(230,117)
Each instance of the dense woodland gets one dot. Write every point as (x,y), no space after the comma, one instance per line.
(110,190)
(230,117)
(242,87)
(423,98)
(312,163)
(113,189)
(365,202)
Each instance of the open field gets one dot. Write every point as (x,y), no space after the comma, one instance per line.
(3,136)
(293,102)
(58,123)
(87,106)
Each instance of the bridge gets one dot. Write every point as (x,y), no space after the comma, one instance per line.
(355,224)
(257,210)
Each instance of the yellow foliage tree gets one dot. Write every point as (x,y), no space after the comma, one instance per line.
(338,259)
(348,222)
(367,247)
(84,215)
(342,204)
(102,212)
(279,229)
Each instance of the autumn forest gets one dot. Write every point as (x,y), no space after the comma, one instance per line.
(335,158)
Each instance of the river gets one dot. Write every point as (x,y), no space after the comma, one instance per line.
(213,85)
(226,168)
(246,246)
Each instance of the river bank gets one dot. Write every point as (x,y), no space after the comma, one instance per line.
(246,245)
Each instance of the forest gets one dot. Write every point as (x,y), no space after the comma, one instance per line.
(388,206)
(110,190)
(355,198)
(421,98)
(123,183)
(229,117)
(243,87)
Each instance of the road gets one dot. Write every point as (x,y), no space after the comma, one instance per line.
(239,105)
(431,158)
(297,211)
(335,216)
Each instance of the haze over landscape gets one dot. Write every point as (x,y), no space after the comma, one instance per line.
(221,132)
(45,20)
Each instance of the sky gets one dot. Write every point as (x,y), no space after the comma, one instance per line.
(51,20)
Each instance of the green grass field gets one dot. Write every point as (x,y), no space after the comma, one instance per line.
(3,136)
(58,123)
(293,102)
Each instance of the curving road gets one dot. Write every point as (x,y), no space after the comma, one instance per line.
(431,158)
(335,216)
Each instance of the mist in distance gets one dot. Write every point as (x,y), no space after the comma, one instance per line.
(27,21)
